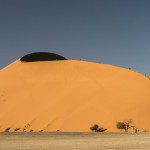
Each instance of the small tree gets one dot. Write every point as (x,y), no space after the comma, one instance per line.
(124,125)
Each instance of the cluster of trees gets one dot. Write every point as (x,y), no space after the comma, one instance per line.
(125,125)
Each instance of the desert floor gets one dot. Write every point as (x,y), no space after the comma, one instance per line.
(74,141)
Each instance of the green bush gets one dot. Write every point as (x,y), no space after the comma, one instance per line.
(17,129)
(7,129)
(57,130)
(31,130)
(94,127)
(41,130)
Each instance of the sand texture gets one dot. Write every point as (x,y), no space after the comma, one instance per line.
(71,96)
(74,141)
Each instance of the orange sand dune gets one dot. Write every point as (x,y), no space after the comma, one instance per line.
(69,95)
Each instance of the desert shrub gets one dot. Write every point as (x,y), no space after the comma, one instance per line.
(94,127)
(25,127)
(97,129)
(57,130)
(31,130)
(7,129)
(125,125)
(16,129)
(41,130)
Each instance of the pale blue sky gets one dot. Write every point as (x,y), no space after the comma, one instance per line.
(115,32)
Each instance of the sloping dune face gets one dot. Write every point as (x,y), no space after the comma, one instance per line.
(70,96)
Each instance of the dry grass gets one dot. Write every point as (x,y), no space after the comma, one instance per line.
(74,141)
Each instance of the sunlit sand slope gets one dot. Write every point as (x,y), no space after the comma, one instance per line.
(70,95)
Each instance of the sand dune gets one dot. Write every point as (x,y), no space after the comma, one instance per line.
(70,96)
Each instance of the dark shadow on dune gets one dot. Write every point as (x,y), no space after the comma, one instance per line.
(41,56)
(101,130)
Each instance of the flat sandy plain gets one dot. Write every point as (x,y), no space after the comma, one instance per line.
(74,141)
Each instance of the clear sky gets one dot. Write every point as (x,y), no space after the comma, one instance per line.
(115,32)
